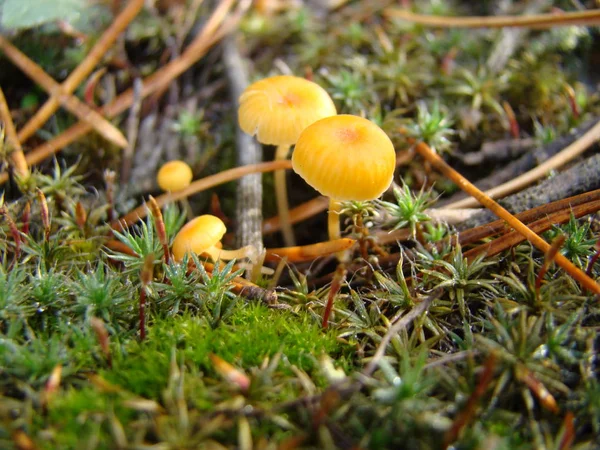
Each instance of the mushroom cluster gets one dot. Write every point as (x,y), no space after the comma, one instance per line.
(344,157)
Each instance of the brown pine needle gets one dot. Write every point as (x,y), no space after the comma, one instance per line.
(535,21)
(70,102)
(301,253)
(16,158)
(200,185)
(83,69)
(560,159)
(214,30)
(435,160)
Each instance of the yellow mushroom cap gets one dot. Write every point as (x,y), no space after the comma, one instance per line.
(277,109)
(198,235)
(174,176)
(346,158)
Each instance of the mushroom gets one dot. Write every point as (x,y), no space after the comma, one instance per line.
(276,110)
(175,176)
(345,158)
(203,235)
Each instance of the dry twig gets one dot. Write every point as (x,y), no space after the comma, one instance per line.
(249,189)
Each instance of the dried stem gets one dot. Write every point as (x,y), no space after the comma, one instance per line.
(161,231)
(468,412)
(76,77)
(580,276)
(336,284)
(535,21)
(309,252)
(15,153)
(199,185)
(145,278)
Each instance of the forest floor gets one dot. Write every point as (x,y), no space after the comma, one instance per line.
(432,323)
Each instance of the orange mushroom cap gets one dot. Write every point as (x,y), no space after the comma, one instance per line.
(346,158)
(278,108)
(174,176)
(198,235)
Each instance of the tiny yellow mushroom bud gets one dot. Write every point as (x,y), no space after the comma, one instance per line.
(174,176)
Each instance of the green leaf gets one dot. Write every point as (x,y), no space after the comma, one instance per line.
(22,14)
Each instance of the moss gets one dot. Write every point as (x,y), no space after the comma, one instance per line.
(252,334)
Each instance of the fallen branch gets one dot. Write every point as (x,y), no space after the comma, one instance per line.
(249,193)
(567,154)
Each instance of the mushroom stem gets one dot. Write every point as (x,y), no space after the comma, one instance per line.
(333,219)
(249,251)
(283,208)
(333,226)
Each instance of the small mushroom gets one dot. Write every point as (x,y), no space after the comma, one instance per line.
(203,235)
(276,110)
(175,176)
(345,157)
